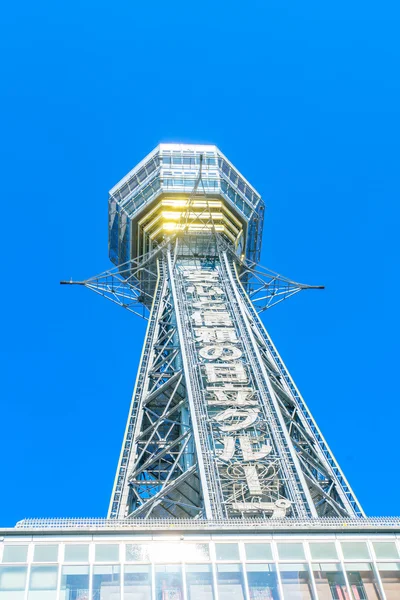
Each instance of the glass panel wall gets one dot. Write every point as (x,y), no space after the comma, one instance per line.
(76,553)
(323,551)
(15,554)
(195,552)
(230,582)
(385,550)
(12,583)
(137,582)
(263,583)
(45,553)
(239,561)
(227,551)
(258,551)
(43,583)
(291,551)
(330,581)
(168,582)
(362,581)
(199,582)
(390,577)
(106,582)
(107,552)
(355,550)
(74,582)
(296,582)
(137,552)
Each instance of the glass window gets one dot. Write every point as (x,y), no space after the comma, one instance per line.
(74,583)
(199,582)
(330,581)
(227,551)
(141,175)
(263,584)
(139,552)
(258,551)
(323,550)
(106,582)
(76,553)
(45,553)
(137,582)
(385,550)
(230,582)
(12,583)
(353,550)
(291,551)
(195,552)
(390,577)
(43,583)
(107,552)
(15,553)
(174,551)
(296,581)
(169,582)
(362,581)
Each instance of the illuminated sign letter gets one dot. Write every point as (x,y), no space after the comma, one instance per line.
(229,395)
(233,372)
(222,334)
(246,418)
(227,351)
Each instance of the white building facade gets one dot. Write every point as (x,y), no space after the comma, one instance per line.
(99,560)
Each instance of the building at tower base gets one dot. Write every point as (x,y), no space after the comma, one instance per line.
(104,559)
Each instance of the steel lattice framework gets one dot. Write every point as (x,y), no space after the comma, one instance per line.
(217,428)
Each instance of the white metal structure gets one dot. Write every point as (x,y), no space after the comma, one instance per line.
(114,560)
(217,429)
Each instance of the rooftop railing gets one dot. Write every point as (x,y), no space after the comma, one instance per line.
(370,523)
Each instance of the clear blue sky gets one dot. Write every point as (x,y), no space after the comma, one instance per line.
(303,97)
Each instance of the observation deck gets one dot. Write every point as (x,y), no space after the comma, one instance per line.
(163,194)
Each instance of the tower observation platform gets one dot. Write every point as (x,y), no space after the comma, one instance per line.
(225,486)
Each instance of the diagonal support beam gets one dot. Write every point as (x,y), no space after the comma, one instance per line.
(264,287)
(267,288)
(130,285)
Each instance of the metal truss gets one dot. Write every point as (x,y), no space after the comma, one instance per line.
(267,288)
(169,465)
(329,489)
(157,475)
(264,287)
(130,285)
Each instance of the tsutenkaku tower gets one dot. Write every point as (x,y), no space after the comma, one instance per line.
(217,429)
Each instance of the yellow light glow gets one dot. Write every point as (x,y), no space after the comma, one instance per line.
(169,226)
(173,215)
(174,202)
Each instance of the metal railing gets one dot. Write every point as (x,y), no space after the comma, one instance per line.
(371,523)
